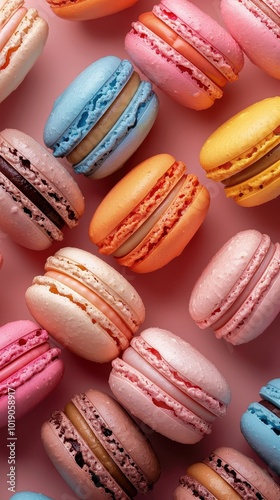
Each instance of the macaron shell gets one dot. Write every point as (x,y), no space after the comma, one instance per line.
(34,36)
(249,128)
(165,73)
(29,495)
(134,442)
(142,407)
(173,244)
(76,477)
(33,391)
(89,9)
(255,32)
(69,321)
(221,274)
(250,471)
(124,138)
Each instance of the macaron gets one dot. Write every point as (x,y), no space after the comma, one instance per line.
(260,425)
(30,369)
(99,450)
(170,386)
(255,25)
(226,474)
(85,304)
(29,495)
(38,196)
(244,154)
(23,34)
(83,10)
(102,117)
(238,292)
(150,215)
(184,52)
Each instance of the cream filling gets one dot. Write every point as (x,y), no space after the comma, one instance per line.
(259,166)
(106,122)
(267,10)
(146,227)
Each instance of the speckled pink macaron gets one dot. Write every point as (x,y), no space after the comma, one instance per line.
(238,293)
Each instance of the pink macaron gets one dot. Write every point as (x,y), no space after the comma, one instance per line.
(99,450)
(30,368)
(85,304)
(238,293)
(38,196)
(255,25)
(170,386)
(226,474)
(184,52)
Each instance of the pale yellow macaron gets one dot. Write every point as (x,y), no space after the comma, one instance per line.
(244,154)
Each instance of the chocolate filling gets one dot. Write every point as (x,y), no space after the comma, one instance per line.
(30,192)
(275,410)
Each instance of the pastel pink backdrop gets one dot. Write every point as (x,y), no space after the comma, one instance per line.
(70,48)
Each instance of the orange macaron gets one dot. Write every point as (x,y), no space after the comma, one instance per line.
(83,10)
(150,215)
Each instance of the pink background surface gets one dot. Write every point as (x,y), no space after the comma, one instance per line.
(71,47)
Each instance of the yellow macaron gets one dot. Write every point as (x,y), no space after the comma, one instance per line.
(244,154)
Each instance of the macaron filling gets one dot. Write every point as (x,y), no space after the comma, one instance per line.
(195,488)
(188,387)
(160,398)
(272,158)
(166,33)
(31,193)
(106,122)
(269,12)
(97,104)
(83,456)
(212,481)
(111,301)
(244,286)
(10,25)
(237,481)
(143,210)
(214,64)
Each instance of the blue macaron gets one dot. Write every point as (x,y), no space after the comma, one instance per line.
(102,117)
(29,495)
(260,425)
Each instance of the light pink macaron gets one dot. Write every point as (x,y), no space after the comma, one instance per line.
(99,450)
(85,304)
(238,293)
(255,25)
(30,368)
(184,52)
(165,382)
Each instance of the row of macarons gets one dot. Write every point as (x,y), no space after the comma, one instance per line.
(196,55)
(96,444)
(154,210)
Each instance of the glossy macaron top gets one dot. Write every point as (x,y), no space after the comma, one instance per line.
(184,52)
(98,449)
(227,473)
(29,495)
(244,154)
(255,25)
(83,10)
(151,214)
(102,117)
(85,304)
(233,291)
(242,139)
